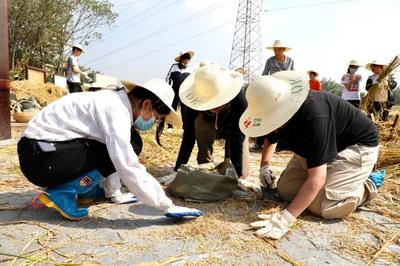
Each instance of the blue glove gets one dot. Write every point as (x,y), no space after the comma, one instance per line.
(377,177)
(181,212)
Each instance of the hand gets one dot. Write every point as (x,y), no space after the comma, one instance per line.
(267,179)
(274,225)
(181,212)
(356,77)
(84,73)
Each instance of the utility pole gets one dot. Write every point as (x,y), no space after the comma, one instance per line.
(247,43)
(5,124)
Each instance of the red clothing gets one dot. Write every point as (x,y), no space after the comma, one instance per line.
(315,85)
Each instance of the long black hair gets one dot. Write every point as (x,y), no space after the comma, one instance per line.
(159,106)
(185,56)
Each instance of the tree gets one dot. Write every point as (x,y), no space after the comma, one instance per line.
(332,86)
(41,31)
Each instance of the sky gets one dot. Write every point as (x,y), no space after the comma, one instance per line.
(324,34)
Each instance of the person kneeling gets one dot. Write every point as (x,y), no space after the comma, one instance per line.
(335,148)
(74,142)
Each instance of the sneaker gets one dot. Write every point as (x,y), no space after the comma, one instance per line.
(124,198)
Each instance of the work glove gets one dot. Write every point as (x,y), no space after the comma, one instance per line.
(378,177)
(274,225)
(181,212)
(267,179)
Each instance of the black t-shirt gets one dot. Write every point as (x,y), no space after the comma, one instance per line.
(324,126)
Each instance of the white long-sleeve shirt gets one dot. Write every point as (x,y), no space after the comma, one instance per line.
(105,116)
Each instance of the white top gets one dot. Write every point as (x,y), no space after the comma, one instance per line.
(354,92)
(105,116)
(72,76)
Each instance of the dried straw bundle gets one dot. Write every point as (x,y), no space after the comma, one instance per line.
(44,93)
(367,101)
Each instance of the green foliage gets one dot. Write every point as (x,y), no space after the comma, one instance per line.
(332,86)
(396,94)
(41,31)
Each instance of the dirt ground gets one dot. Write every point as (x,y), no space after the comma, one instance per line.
(135,234)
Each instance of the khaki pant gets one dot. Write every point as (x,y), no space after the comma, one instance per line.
(347,184)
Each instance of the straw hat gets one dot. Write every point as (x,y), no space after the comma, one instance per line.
(279,44)
(355,63)
(272,101)
(163,91)
(80,47)
(375,62)
(209,87)
(191,53)
(313,71)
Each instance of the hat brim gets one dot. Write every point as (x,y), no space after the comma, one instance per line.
(312,71)
(232,86)
(254,124)
(171,118)
(286,48)
(368,66)
(191,53)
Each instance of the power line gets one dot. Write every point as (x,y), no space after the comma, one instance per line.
(128,3)
(128,22)
(308,5)
(162,30)
(169,45)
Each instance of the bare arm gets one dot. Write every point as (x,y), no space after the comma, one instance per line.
(309,190)
(78,70)
(267,152)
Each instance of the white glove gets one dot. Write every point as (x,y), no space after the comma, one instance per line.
(274,225)
(267,179)
(181,212)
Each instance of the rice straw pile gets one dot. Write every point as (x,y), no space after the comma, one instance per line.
(44,93)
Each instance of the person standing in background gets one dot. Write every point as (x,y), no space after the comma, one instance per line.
(177,73)
(351,82)
(276,63)
(383,100)
(315,84)
(280,61)
(73,71)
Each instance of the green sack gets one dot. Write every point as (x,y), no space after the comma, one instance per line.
(194,184)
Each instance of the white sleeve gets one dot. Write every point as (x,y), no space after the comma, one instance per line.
(345,79)
(116,131)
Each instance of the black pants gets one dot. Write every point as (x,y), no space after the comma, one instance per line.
(355,103)
(381,109)
(74,87)
(70,160)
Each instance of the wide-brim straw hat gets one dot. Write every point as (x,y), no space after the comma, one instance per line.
(209,87)
(375,62)
(178,58)
(163,91)
(355,63)
(313,71)
(279,44)
(272,101)
(80,47)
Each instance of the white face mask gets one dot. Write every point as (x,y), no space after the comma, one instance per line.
(352,70)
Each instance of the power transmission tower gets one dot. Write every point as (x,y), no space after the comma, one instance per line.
(246,46)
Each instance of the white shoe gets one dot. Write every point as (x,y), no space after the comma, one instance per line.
(124,198)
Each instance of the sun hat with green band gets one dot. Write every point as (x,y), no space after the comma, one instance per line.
(272,101)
